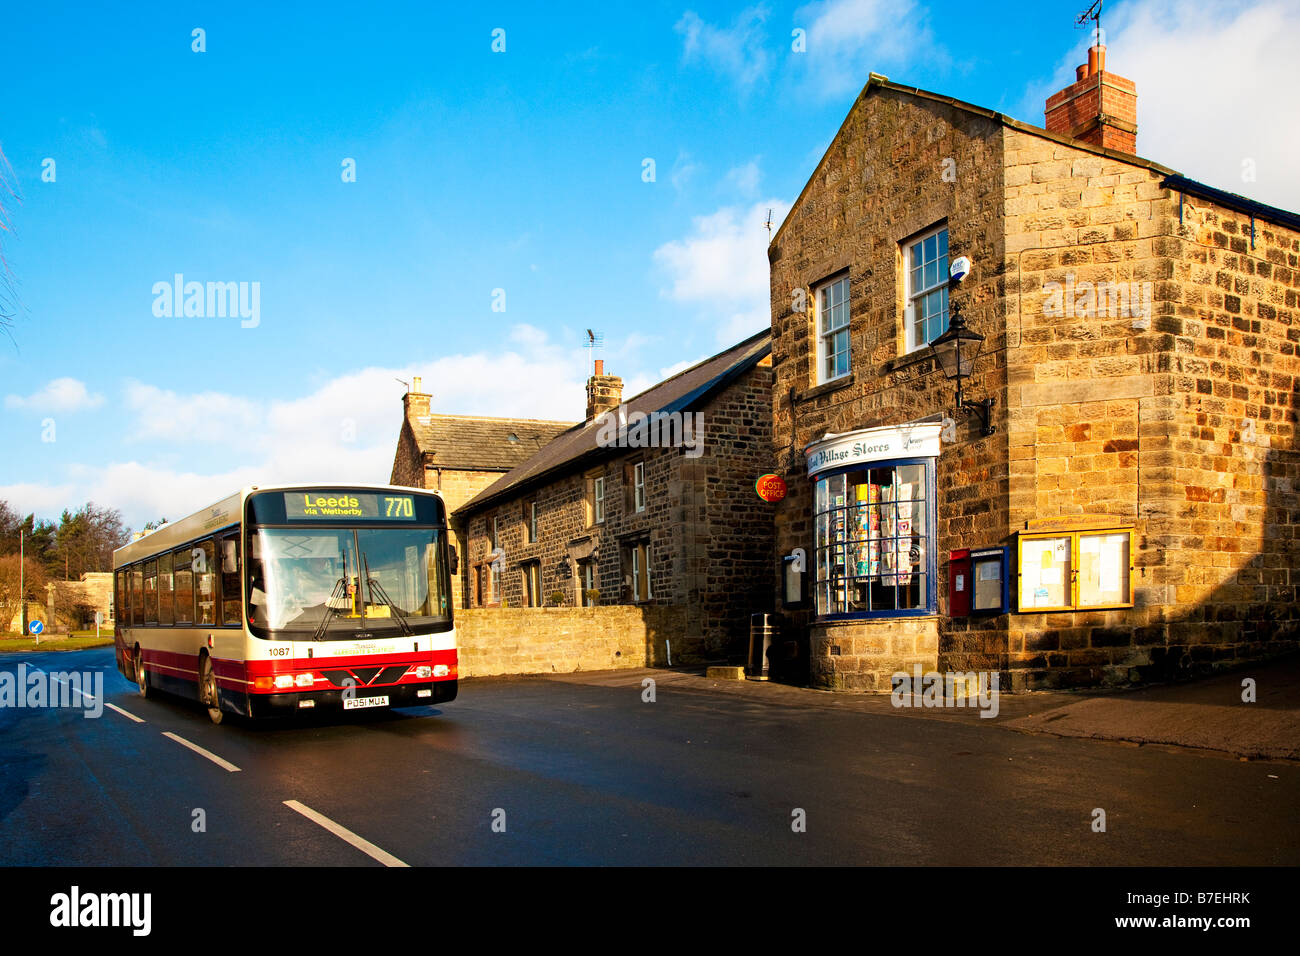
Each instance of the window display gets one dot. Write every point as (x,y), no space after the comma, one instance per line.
(874,538)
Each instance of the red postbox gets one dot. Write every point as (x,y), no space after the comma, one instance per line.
(960,583)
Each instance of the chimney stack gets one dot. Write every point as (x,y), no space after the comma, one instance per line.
(415,403)
(604,392)
(1098,107)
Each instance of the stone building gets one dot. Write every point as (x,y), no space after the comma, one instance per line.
(649,501)
(1130,510)
(460,455)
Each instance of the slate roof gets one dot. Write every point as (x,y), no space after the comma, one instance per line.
(577,446)
(481,444)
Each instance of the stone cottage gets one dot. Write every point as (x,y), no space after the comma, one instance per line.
(1113,496)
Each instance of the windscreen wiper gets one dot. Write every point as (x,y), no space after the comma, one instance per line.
(340,590)
(378,589)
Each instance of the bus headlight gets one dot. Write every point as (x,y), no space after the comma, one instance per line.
(306,680)
(424,671)
(283,680)
(441,670)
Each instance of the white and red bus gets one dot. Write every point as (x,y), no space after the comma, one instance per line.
(281,599)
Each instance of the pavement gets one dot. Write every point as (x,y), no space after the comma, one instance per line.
(1207,714)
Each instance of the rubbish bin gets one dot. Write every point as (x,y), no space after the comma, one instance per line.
(762,632)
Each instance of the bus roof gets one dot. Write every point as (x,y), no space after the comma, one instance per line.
(224,513)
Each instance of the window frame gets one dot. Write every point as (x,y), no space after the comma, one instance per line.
(638,551)
(930,606)
(598,500)
(638,487)
(822,336)
(912,296)
(1072,591)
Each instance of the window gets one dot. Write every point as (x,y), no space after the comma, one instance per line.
(638,486)
(925,268)
(874,531)
(638,559)
(165,590)
(230,600)
(532,584)
(598,500)
(137,594)
(530,522)
(122,602)
(1068,570)
(493,540)
(203,560)
(151,592)
(183,586)
(832,304)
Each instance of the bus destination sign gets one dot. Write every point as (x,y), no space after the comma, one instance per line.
(308,505)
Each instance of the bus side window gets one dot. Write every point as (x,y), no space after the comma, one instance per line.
(203,557)
(151,592)
(231,611)
(121,599)
(137,594)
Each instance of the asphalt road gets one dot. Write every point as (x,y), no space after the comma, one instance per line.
(583,771)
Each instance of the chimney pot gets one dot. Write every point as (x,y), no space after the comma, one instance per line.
(1081,72)
(1096,59)
(415,384)
(604,392)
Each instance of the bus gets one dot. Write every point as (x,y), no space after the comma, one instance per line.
(285,599)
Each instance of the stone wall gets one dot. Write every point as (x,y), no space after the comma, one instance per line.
(498,641)
(864,655)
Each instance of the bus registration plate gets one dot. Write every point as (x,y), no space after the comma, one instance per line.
(356,703)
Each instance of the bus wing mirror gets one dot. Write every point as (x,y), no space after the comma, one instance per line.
(455,560)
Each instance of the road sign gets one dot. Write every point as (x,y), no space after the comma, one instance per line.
(99,618)
(36,627)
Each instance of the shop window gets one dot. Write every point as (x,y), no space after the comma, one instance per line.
(1073,570)
(874,537)
(832,304)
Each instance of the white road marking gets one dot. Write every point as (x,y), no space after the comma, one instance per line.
(346,835)
(138,720)
(199,750)
(76,690)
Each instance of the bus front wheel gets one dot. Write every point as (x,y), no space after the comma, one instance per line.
(208,693)
(141,676)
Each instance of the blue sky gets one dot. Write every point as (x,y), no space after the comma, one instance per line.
(476,171)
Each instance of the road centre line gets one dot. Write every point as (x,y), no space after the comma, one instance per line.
(199,750)
(124,713)
(346,835)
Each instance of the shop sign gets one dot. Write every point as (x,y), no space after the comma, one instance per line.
(771,488)
(874,444)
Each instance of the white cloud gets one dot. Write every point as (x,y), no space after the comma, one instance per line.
(1214,83)
(344,430)
(745,178)
(847,39)
(60,395)
(722,267)
(735,51)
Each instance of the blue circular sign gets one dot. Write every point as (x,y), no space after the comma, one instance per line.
(36,627)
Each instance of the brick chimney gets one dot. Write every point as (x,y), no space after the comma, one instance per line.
(603,391)
(1098,107)
(416,403)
